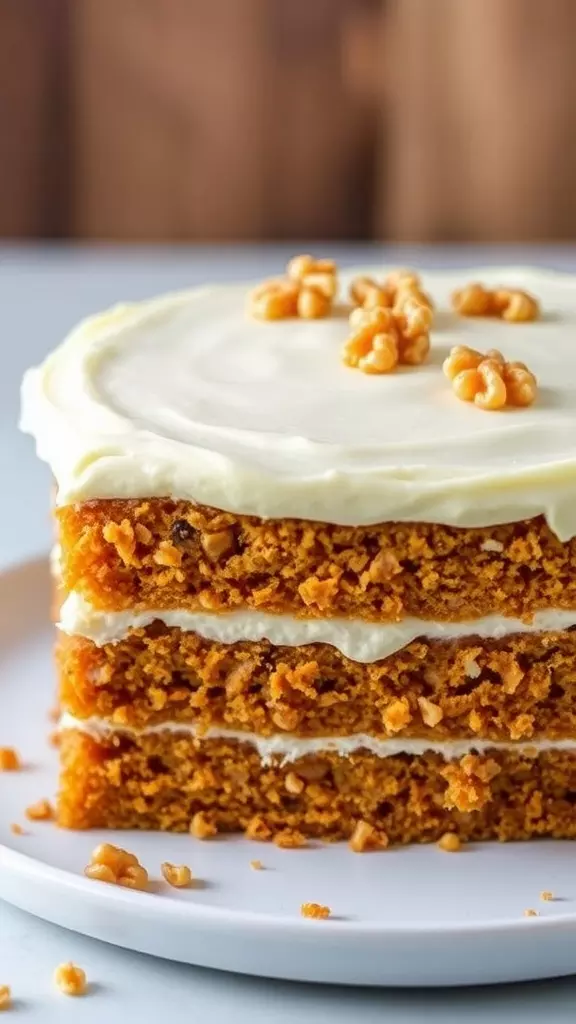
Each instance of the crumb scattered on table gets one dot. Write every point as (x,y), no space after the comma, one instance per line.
(70,979)
(9,760)
(201,827)
(315,910)
(5,997)
(40,811)
(178,876)
(256,865)
(531,913)
(17,829)
(546,895)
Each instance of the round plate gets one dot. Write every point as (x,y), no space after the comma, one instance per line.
(414,916)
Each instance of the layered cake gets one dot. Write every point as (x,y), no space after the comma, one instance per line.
(318,557)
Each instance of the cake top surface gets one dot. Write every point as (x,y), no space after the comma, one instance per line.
(187,396)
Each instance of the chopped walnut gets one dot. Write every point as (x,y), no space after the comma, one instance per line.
(319,592)
(511,304)
(381,339)
(431,713)
(449,842)
(70,979)
(367,837)
(469,782)
(256,865)
(397,715)
(546,895)
(9,760)
(40,811)
(383,567)
(217,544)
(494,546)
(168,554)
(531,913)
(121,536)
(293,784)
(315,910)
(488,380)
(308,291)
(112,864)
(178,876)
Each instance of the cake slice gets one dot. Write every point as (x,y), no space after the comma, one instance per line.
(303,600)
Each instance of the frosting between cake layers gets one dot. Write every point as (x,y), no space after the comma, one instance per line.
(355,638)
(187,397)
(291,748)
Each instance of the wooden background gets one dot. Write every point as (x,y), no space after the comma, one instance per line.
(433,120)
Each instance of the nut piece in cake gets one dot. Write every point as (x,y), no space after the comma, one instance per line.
(70,979)
(307,291)
(112,864)
(511,304)
(488,380)
(366,837)
(315,910)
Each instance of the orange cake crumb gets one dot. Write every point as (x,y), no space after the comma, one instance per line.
(450,842)
(315,910)
(289,839)
(256,865)
(9,760)
(177,875)
(17,829)
(109,863)
(40,811)
(531,913)
(5,997)
(70,979)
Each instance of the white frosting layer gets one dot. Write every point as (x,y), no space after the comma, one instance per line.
(290,748)
(186,396)
(356,639)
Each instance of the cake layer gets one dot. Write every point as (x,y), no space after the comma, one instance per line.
(354,638)
(162,780)
(166,554)
(189,396)
(520,687)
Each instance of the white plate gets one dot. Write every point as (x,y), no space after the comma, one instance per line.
(412,916)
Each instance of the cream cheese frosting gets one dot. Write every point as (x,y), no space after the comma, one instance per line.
(186,396)
(287,747)
(356,639)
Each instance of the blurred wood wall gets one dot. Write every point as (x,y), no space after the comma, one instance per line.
(261,119)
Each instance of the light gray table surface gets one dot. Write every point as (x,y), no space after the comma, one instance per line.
(43,292)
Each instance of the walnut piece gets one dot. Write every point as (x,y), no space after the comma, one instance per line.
(201,827)
(431,713)
(307,291)
(488,380)
(397,715)
(510,304)
(109,863)
(178,876)
(367,837)
(381,339)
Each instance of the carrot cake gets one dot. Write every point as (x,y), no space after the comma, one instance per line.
(317,557)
